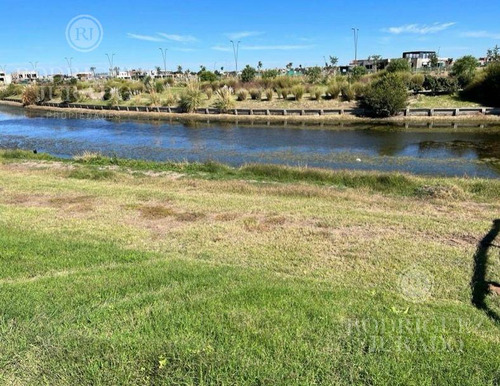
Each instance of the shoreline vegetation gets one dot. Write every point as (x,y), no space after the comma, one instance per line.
(122,271)
(344,118)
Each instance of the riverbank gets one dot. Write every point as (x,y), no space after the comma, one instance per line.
(125,271)
(312,119)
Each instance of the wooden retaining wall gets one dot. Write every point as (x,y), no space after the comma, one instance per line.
(452,112)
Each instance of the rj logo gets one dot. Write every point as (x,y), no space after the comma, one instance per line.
(84,33)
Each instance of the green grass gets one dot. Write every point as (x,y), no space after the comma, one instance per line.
(206,274)
(440,101)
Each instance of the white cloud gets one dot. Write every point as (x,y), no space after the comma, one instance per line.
(421,29)
(179,38)
(242,34)
(481,34)
(145,37)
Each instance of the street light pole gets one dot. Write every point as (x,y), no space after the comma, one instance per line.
(356,36)
(69,60)
(110,61)
(236,51)
(164,56)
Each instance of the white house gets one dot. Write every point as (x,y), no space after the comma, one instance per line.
(5,78)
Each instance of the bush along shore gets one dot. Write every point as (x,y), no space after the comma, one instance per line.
(117,271)
(464,88)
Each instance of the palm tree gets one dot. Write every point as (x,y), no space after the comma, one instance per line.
(92,70)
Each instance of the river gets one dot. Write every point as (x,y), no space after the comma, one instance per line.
(473,151)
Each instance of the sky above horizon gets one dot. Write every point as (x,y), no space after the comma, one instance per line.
(275,32)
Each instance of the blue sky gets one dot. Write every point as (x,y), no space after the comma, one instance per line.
(274,32)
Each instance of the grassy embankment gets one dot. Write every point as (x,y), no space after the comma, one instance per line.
(116,271)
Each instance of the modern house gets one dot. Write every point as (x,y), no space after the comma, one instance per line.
(422,59)
(5,78)
(370,64)
(24,76)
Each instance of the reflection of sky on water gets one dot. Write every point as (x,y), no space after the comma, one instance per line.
(423,151)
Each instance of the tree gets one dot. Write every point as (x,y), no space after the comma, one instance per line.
(313,74)
(464,69)
(333,61)
(387,96)
(207,76)
(399,65)
(289,66)
(179,69)
(493,54)
(376,59)
(92,70)
(485,88)
(259,66)
(357,72)
(248,74)
(434,61)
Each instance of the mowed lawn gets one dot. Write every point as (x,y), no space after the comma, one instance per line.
(114,275)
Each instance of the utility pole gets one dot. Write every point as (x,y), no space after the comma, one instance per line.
(69,61)
(110,61)
(164,56)
(356,36)
(236,51)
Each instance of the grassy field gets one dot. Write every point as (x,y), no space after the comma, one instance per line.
(440,101)
(131,272)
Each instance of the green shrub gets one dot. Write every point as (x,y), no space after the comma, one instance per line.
(269,94)
(314,74)
(417,82)
(209,92)
(398,65)
(386,96)
(315,93)
(248,74)
(347,93)
(69,94)
(207,76)
(444,85)
(333,91)
(256,94)
(485,88)
(169,99)
(114,97)
(464,70)
(159,86)
(269,74)
(191,98)
(298,92)
(360,90)
(357,72)
(125,93)
(285,92)
(242,95)
(224,99)
(31,95)
(11,90)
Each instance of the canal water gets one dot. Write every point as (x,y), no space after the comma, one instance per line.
(463,151)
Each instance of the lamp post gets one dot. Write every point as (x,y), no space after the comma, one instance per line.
(236,50)
(164,56)
(356,36)
(69,61)
(110,61)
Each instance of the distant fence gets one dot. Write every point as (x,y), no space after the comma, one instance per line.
(453,112)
